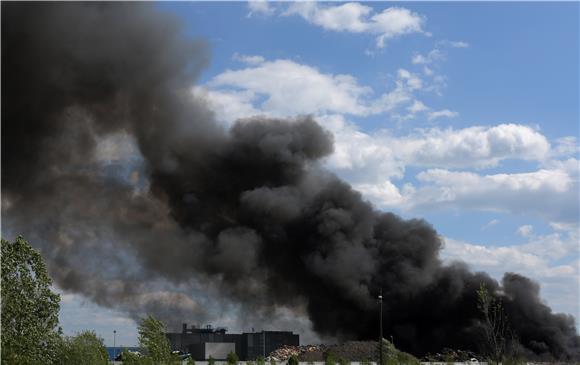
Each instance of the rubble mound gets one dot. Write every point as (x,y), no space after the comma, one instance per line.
(303,353)
(355,351)
(450,355)
(347,351)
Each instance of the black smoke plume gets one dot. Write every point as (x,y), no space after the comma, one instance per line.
(244,214)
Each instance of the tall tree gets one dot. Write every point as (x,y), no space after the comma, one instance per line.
(154,342)
(496,327)
(30,333)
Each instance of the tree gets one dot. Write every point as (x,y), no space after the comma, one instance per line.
(153,341)
(30,333)
(293,360)
(232,359)
(211,360)
(130,358)
(330,360)
(496,326)
(341,361)
(86,348)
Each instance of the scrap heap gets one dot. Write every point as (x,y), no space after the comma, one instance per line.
(347,351)
(303,353)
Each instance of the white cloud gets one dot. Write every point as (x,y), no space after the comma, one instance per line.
(417,107)
(260,7)
(359,157)
(453,44)
(228,106)
(357,18)
(490,224)
(472,147)
(432,56)
(550,194)
(413,82)
(566,146)
(445,113)
(247,59)
(291,88)
(525,230)
(267,86)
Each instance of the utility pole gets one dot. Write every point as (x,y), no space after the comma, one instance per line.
(264,347)
(114,344)
(381,327)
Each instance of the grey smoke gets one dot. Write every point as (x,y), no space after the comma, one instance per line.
(245,215)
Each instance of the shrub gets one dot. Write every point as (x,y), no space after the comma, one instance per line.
(330,359)
(130,358)
(293,360)
(84,348)
(232,358)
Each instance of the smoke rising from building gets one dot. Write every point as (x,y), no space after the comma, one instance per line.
(246,212)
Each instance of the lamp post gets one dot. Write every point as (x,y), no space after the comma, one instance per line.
(114,344)
(381,327)
(264,347)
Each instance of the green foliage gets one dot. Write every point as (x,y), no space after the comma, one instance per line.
(211,361)
(29,307)
(272,362)
(330,359)
(293,360)
(365,362)
(131,358)
(250,363)
(190,361)
(496,326)
(153,341)
(343,361)
(232,358)
(260,360)
(86,348)
(392,356)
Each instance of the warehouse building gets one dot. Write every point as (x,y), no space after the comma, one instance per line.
(202,343)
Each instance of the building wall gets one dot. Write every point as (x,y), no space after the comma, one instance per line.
(248,346)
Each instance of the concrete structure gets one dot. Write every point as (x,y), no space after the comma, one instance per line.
(247,345)
(217,350)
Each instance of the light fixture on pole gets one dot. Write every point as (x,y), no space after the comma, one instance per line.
(381,327)
(114,344)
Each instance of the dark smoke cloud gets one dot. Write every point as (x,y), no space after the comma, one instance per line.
(246,214)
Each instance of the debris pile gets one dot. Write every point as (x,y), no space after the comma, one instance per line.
(450,355)
(348,351)
(355,351)
(303,353)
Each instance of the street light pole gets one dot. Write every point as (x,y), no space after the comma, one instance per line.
(114,344)
(264,347)
(381,327)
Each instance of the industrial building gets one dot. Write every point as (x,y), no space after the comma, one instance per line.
(202,343)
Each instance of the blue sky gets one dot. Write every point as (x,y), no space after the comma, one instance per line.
(465,114)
